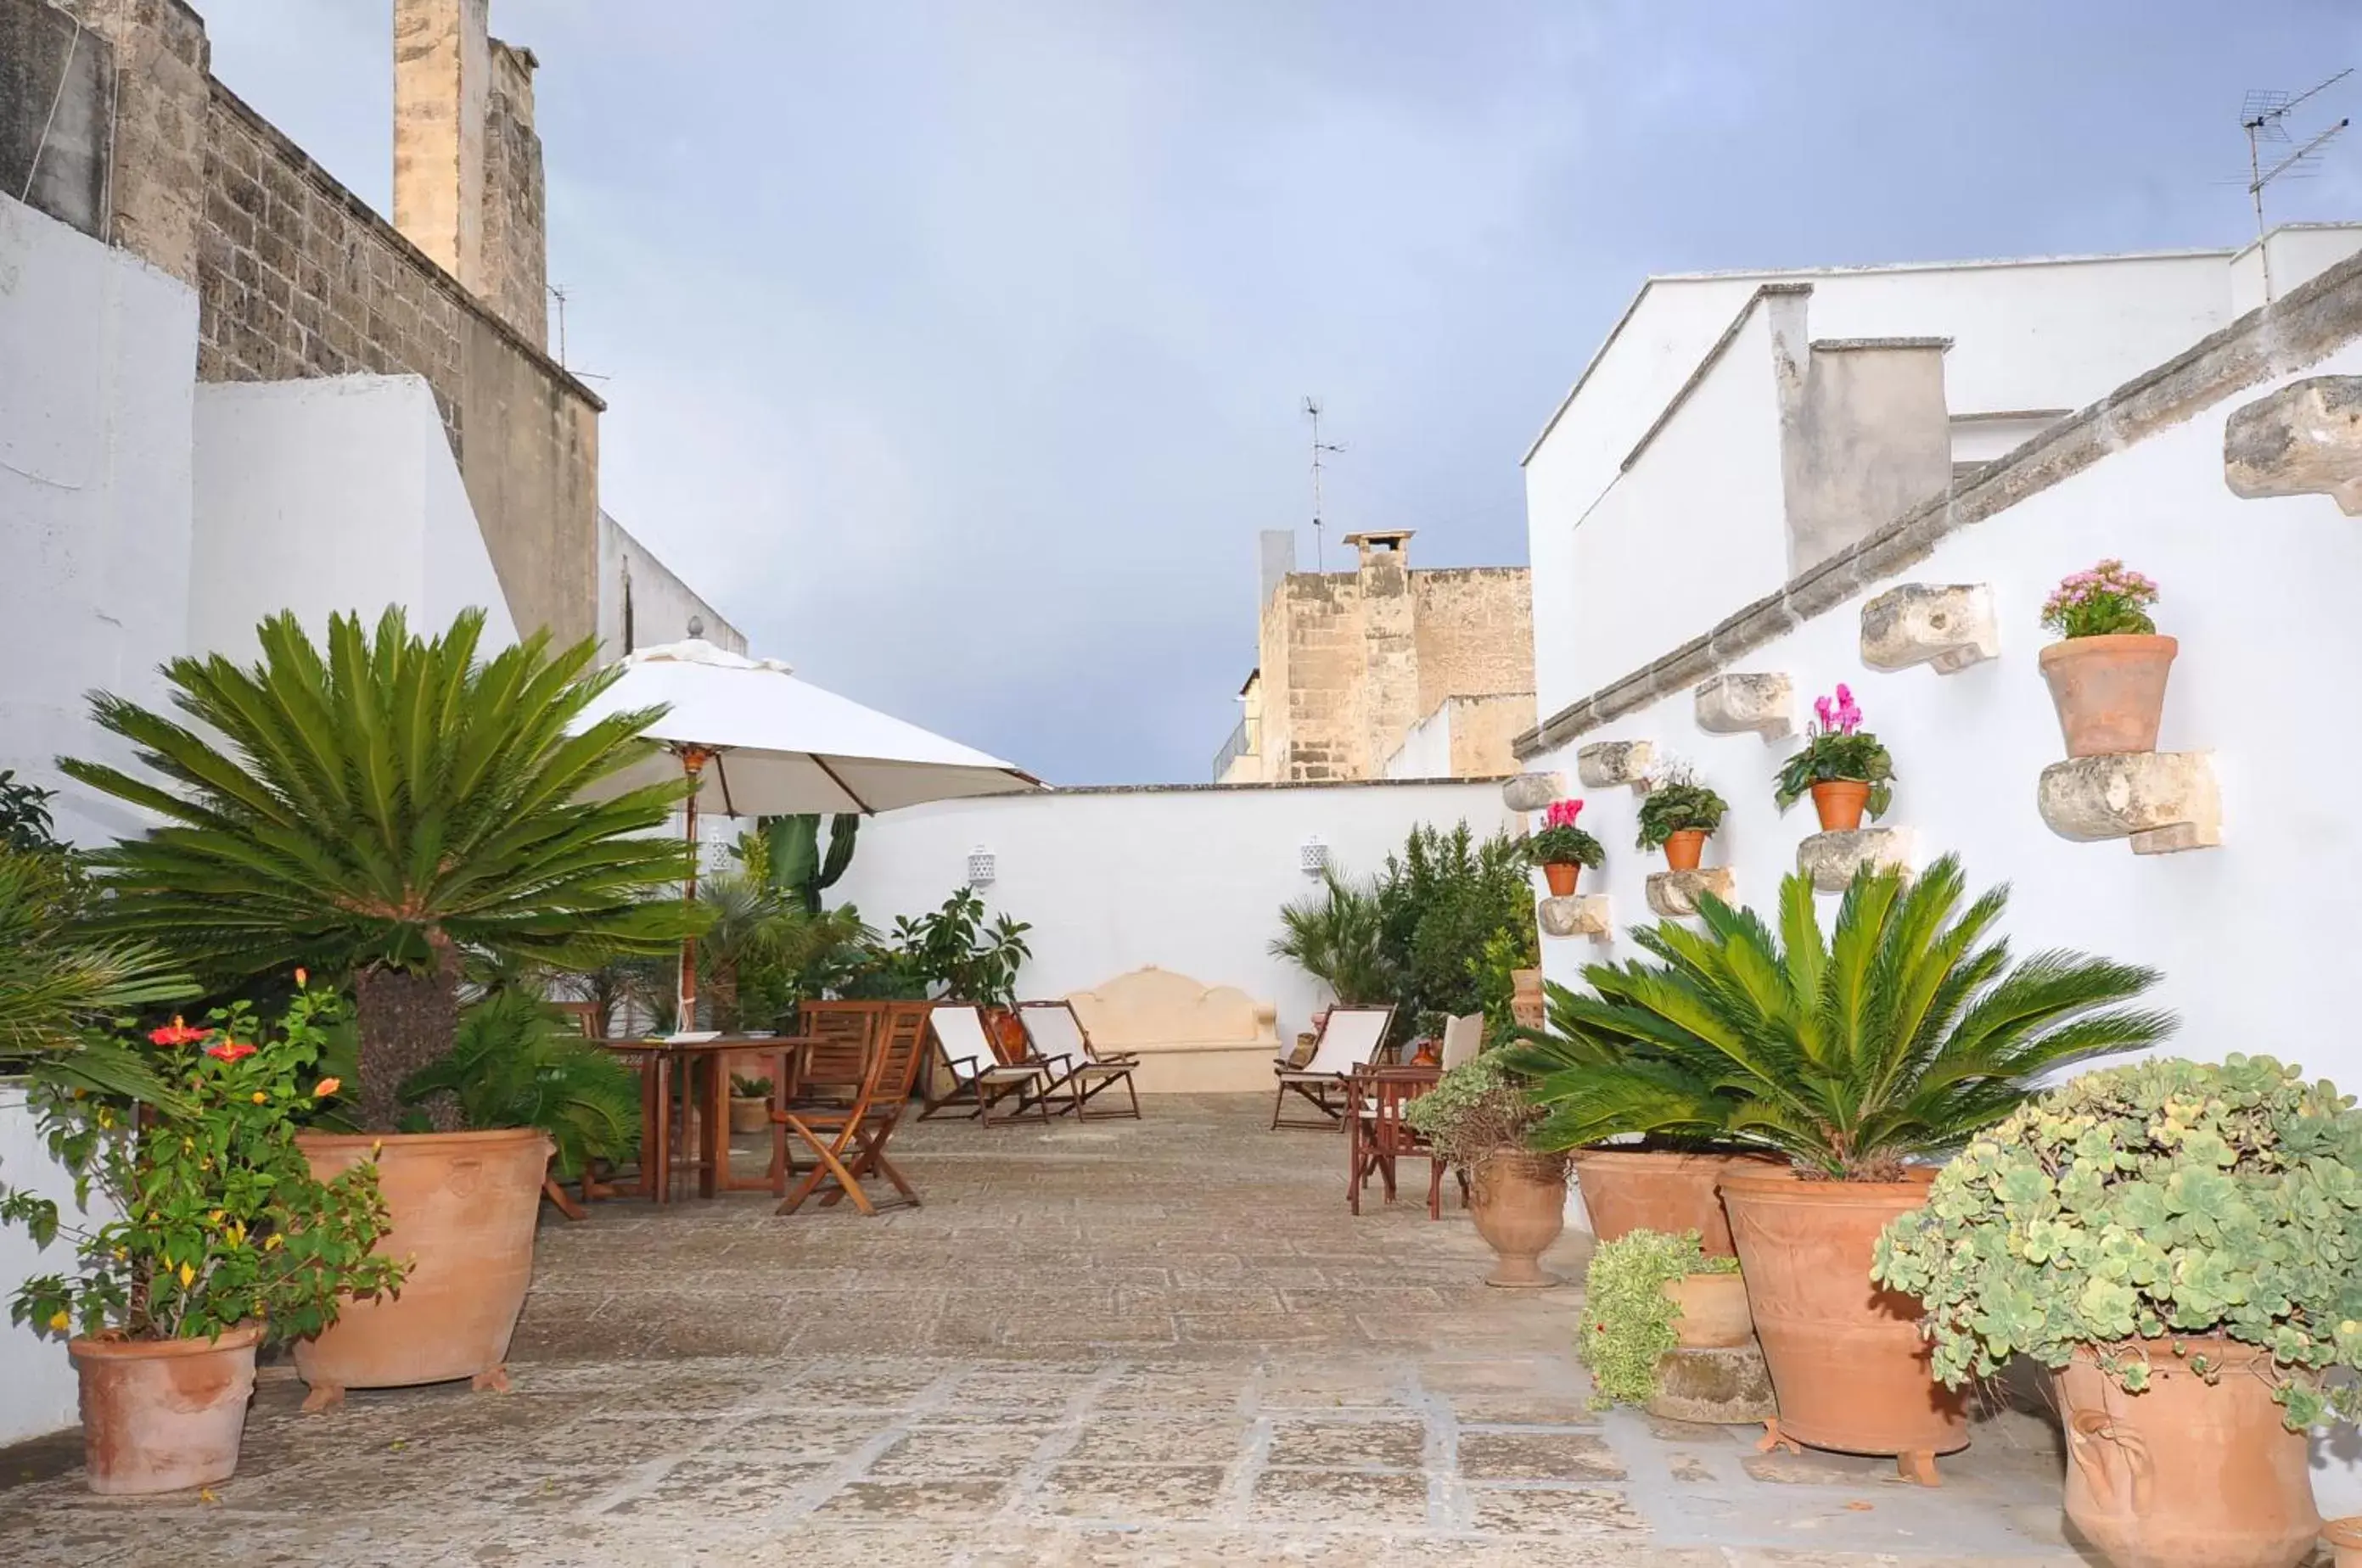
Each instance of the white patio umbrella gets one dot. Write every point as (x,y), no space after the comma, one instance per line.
(757,741)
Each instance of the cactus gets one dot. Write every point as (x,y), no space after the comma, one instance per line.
(797,865)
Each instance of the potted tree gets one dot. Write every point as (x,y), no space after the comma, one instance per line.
(2181,1243)
(1859,1054)
(1647,1293)
(1564,849)
(2107,672)
(375,809)
(1678,814)
(1478,1116)
(1842,766)
(223,1236)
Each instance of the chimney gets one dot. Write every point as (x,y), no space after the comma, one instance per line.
(1387,548)
(466,163)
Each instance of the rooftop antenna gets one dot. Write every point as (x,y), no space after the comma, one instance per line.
(1312,411)
(559,293)
(2263,115)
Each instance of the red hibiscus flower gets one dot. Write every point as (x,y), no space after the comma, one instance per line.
(229,1050)
(176,1033)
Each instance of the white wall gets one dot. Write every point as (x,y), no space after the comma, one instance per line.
(97,361)
(2299,251)
(1189,879)
(37,1372)
(663,606)
(1426,748)
(322,496)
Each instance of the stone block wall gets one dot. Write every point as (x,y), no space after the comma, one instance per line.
(1475,631)
(515,278)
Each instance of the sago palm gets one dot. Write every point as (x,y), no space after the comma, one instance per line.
(1338,937)
(514,1063)
(376,806)
(58,980)
(1901,1033)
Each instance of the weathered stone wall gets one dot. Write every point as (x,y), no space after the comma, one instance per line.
(1319,631)
(155,183)
(1475,631)
(57,98)
(514,275)
(1484,731)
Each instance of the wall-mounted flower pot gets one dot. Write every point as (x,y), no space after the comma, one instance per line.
(1562,878)
(2109,691)
(1683,849)
(163,1415)
(1840,803)
(2188,1473)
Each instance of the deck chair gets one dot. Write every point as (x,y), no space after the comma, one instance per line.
(1079,1072)
(981,1079)
(1462,1038)
(1352,1037)
(848,1142)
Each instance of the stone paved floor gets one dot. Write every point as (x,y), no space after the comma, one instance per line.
(1157,1342)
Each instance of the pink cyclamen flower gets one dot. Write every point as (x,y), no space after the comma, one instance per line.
(1562,813)
(1822,711)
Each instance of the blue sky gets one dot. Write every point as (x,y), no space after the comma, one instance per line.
(955,349)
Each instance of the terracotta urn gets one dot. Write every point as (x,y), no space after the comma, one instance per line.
(2187,1474)
(1685,848)
(1846,1356)
(2345,1538)
(2109,691)
(1713,1310)
(1633,1190)
(1517,1199)
(163,1415)
(1840,803)
(1562,875)
(464,1207)
(749,1113)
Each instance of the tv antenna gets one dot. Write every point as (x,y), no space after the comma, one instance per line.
(1312,411)
(558,294)
(2263,115)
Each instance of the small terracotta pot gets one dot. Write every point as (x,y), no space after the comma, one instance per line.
(1713,1310)
(1847,1360)
(1840,803)
(749,1113)
(163,1415)
(1562,878)
(2345,1536)
(464,1206)
(2109,691)
(1683,849)
(1517,1199)
(1527,1000)
(1627,1190)
(2187,1474)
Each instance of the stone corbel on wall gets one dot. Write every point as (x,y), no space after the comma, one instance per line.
(1531,792)
(2304,440)
(1604,765)
(1948,625)
(2165,801)
(1674,894)
(1831,858)
(1764,704)
(1585,915)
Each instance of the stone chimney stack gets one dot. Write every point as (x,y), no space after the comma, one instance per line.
(467,162)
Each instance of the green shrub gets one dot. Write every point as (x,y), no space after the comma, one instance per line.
(2156,1200)
(514,1063)
(1475,1109)
(1626,1323)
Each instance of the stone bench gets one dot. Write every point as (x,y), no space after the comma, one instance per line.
(1191,1037)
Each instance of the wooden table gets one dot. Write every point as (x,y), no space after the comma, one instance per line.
(705,1065)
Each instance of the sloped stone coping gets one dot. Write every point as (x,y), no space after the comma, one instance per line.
(2165,801)
(1674,894)
(1831,858)
(1948,625)
(1585,915)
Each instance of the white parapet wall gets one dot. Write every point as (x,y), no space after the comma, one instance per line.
(34,1369)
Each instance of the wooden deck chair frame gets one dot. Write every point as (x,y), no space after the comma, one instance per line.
(981,1079)
(862,1129)
(1321,1081)
(1077,1072)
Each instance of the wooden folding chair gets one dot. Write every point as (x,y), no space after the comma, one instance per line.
(1349,1037)
(1059,1038)
(848,1142)
(981,1078)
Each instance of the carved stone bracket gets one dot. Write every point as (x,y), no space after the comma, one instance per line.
(2304,440)
(1585,915)
(2164,802)
(1531,792)
(1948,625)
(1604,764)
(1674,894)
(1736,704)
(1831,858)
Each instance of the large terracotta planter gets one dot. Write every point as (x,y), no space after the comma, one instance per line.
(749,1113)
(2344,1536)
(1562,877)
(1713,1310)
(1683,849)
(464,1205)
(2109,691)
(1649,1191)
(1848,1362)
(1517,1200)
(2185,1474)
(163,1415)
(1839,803)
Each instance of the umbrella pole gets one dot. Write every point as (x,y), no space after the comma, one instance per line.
(692,763)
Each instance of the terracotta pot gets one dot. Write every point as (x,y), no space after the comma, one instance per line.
(1562,878)
(2185,1474)
(2109,691)
(1517,1200)
(1527,1004)
(1713,1310)
(749,1113)
(1847,1361)
(2345,1536)
(1636,1191)
(1685,848)
(1840,803)
(163,1415)
(464,1206)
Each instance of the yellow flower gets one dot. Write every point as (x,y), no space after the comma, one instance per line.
(237,1232)
(188,1276)
(260,1097)
(213,1217)
(274,1244)
(60,1322)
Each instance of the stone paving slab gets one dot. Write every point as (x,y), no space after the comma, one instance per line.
(1167,1343)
